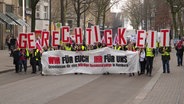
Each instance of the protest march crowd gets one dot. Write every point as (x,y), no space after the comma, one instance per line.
(146,56)
(147,48)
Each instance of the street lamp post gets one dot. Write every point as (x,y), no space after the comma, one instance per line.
(84,37)
(23,14)
(50,21)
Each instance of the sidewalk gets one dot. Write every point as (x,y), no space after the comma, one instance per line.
(6,62)
(164,88)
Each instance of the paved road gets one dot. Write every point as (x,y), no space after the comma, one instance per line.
(71,89)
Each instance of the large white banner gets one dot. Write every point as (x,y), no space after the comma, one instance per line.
(90,62)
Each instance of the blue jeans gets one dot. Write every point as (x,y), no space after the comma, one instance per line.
(180,59)
(165,66)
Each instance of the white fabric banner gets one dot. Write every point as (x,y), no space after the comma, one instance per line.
(90,62)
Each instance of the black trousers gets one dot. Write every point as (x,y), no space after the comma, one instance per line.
(149,65)
(24,64)
(17,67)
(39,65)
(33,67)
(142,66)
(180,59)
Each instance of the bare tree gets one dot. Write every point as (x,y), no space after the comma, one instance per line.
(175,7)
(100,8)
(80,6)
(162,15)
(133,9)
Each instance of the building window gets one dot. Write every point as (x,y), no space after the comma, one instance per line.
(45,12)
(28,4)
(37,15)
(38,11)
(9,8)
(38,8)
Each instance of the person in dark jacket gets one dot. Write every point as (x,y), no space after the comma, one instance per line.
(12,45)
(179,52)
(24,55)
(37,55)
(150,54)
(165,51)
(33,62)
(16,59)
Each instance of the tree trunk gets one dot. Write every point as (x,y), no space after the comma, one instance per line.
(180,24)
(33,19)
(78,13)
(78,19)
(104,14)
(175,24)
(98,19)
(62,13)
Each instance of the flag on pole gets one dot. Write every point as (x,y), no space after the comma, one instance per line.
(116,40)
(103,40)
(38,46)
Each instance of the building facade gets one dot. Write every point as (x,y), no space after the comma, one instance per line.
(7,26)
(42,15)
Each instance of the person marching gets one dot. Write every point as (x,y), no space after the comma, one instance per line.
(16,59)
(149,60)
(33,62)
(24,55)
(37,55)
(142,56)
(165,51)
(179,52)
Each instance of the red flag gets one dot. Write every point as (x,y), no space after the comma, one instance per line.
(103,40)
(116,40)
(38,46)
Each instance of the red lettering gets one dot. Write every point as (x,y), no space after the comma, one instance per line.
(139,38)
(45,38)
(88,34)
(96,33)
(108,36)
(78,34)
(164,36)
(121,33)
(23,40)
(152,38)
(31,41)
(55,38)
(65,34)
(54,60)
